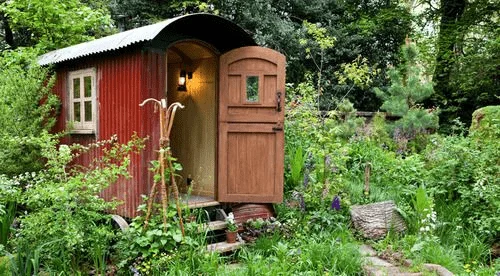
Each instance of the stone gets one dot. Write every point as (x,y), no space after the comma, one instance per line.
(440,270)
(484,124)
(367,250)
(376,261)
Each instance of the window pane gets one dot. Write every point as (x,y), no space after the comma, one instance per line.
(88,111)
(76,88)
(252,89)
(76,112)
(87,81)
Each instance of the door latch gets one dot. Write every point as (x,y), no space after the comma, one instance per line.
(278,127)
(278,101)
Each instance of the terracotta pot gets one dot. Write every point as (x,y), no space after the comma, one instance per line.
(231,236)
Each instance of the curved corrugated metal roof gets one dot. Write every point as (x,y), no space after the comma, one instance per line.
(118,41)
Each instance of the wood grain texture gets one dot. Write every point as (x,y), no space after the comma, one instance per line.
(251,138)
(194,132)
(374,220)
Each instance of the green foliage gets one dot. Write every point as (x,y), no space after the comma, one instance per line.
(314,147)
(437,254)
(25,262)
(7,216)
(318,254)
(358,72)
(27,108)
(56,24)
(130,14)
(319,36)
(425,217)
(297,161)
(485,121)
(408,88)
(65,219)
(465,171)
(4,266)
(230,223)
(466,57)
(148,249)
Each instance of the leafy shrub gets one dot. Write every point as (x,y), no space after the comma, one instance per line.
(466,173)
(65,219)
(147,249)
(27,108)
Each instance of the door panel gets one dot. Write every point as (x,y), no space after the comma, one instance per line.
(253,156)
(241,72)
(251,138)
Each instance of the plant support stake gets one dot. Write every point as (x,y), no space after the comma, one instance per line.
(167,115)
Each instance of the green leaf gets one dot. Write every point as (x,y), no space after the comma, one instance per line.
(177,237)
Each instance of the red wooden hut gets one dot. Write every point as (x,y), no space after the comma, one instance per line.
(229,138)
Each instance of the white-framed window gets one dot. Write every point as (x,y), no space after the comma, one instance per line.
(82,111)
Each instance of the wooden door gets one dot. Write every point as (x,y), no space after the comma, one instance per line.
(251,115)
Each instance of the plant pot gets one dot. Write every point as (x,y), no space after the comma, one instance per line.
(231,236)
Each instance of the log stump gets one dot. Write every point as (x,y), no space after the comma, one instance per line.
(374,220)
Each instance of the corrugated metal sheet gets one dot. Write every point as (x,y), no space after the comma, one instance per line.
(119,80)
(123,81)
(108,43)
(223,34)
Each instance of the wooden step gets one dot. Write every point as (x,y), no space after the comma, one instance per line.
(212,226)
(216,225)
(222,247)
(193,205)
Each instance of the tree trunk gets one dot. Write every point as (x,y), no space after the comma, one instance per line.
(448,41)
(375,220)
(8,35)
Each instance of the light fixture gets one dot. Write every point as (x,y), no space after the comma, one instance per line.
(181,85)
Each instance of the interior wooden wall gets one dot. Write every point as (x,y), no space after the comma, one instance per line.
(193,137)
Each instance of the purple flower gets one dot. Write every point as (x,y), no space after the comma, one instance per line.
(302,203)
(336,203)
(306,178)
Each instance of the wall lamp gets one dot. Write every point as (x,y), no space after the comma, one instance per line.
(181,85)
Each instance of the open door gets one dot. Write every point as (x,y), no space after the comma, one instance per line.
(250,120)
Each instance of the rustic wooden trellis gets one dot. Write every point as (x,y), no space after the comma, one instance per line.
(167,115)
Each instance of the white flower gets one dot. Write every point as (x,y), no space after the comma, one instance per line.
(230,218)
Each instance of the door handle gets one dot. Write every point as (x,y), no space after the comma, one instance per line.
(278,101)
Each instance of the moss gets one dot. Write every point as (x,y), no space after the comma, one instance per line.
(486,123)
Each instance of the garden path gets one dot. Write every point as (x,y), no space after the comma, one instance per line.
(376,266)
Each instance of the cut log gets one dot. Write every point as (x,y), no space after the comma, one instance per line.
(374,220)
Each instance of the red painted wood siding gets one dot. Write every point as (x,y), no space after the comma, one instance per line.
(124,79)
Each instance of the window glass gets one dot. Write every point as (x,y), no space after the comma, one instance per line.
(82,101)
(87,81)
(76,88)
(88,111)
(252,89)
(76,111)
